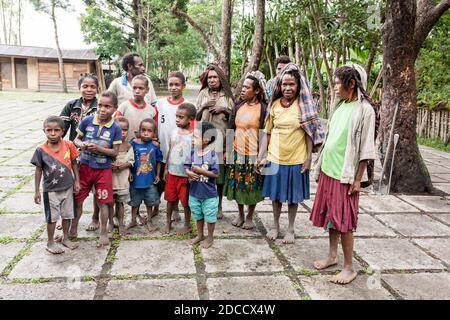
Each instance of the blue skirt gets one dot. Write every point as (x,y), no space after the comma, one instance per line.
(285,183)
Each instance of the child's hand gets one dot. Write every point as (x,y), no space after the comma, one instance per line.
(92,148)
(37,198)
(156,143)
(197,169)
(166,174)
(130,177)
(76,187)
(156,180)
(193,176)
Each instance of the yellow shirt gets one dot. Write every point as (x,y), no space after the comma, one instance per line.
(247,129)
(287,144)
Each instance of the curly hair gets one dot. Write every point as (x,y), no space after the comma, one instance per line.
(85,76)
(128,59)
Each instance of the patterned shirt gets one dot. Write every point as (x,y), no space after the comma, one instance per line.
(146,156)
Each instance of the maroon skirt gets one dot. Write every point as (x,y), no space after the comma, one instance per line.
(333,207)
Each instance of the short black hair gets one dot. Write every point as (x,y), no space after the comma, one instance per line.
(85,76)
(123,119)
(208,131)
(283,60)
(190,108)
(56,119)
(112,96)
(179,75)
(143,78)
(151,121)
(128,59)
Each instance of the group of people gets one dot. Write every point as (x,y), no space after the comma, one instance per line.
(130,148)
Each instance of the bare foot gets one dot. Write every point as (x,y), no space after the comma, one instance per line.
(346,276)
(272,234)
(69,244)
(103,241)
(116,222)
(183,231)
(141,220)
(111,228)
(132,224)
(151,227)
(289,238)
(54,248)
(176,215)
(197,239)
(238,222)
(165,230)
(220,214)
(155,212)
(94,225)
(123,230)
(58,238)
(208,242)
(325,263)
(59,227)
(248,225)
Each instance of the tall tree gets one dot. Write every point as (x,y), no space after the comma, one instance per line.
(49,7)
(407,24)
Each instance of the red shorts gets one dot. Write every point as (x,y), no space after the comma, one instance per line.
(177,189)
(101,179)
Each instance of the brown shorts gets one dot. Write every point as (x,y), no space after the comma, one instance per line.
(59,204)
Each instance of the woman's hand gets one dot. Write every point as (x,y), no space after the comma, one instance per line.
(355,188)
(260,163)
(306,165)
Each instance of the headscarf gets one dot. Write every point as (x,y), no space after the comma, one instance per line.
(262,81)
(309,117)
(222,78)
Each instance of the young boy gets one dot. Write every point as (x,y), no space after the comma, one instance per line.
(121,175)
(174,174)
(165,117)
(56,158)
(202,169)
(99,137)
(147,158)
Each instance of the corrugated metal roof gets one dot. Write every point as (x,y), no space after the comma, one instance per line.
(48,53)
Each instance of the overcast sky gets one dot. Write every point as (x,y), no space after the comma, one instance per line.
(38,28)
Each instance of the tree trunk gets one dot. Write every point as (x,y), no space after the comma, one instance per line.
(269,61)
(410,175)
(258,39)
(227,13)
(58,49)
(20,22)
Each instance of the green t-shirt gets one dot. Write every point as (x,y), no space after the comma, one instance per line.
(334,150)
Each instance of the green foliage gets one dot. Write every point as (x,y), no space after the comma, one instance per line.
(46,5)
(433,143)
(433,65)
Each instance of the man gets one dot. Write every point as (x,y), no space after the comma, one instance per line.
(280,63)
(132,66)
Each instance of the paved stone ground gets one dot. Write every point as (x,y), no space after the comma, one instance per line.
(401,252)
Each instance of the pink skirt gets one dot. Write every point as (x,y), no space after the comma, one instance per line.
(333,207)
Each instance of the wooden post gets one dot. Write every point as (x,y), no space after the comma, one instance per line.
(13,74)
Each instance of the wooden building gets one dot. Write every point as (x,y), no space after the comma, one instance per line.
(37,68)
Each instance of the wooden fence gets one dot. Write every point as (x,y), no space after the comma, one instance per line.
(433,123)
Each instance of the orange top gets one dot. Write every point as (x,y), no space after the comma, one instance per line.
(66,154)
(247,129)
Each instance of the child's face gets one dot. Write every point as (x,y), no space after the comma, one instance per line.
(182,119)
(147,132)
(105,109)
(199,141)
(88,89)
(53,132)
(175,87)
(139,89)
(124,127)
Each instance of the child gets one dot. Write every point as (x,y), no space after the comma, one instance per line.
(99,137)
(174,174)
(202,169)
(165,117)
(121,175)
(136,109)
(341,167)
(147,157)
(56,158)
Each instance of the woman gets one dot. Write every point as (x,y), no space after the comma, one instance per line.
(214,105)
(292,128)
(242,183)
(341,167)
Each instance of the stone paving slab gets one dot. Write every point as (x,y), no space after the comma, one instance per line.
(154,257)
(385,203)
(152,289)
(12,171)
(394,254)
(7,184)
(438,178)
(236,255)
(437,247)
(407,225)
(437,169)
(7,153)
(445,176)
(20,225)
(444,217)
(86,260)
(428,286)
(48,291)
(251,288)
(368,226)
(429,203)
(225,228)
(21,202)
(7,252)
(442,186)
(362,288)
(304,252)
